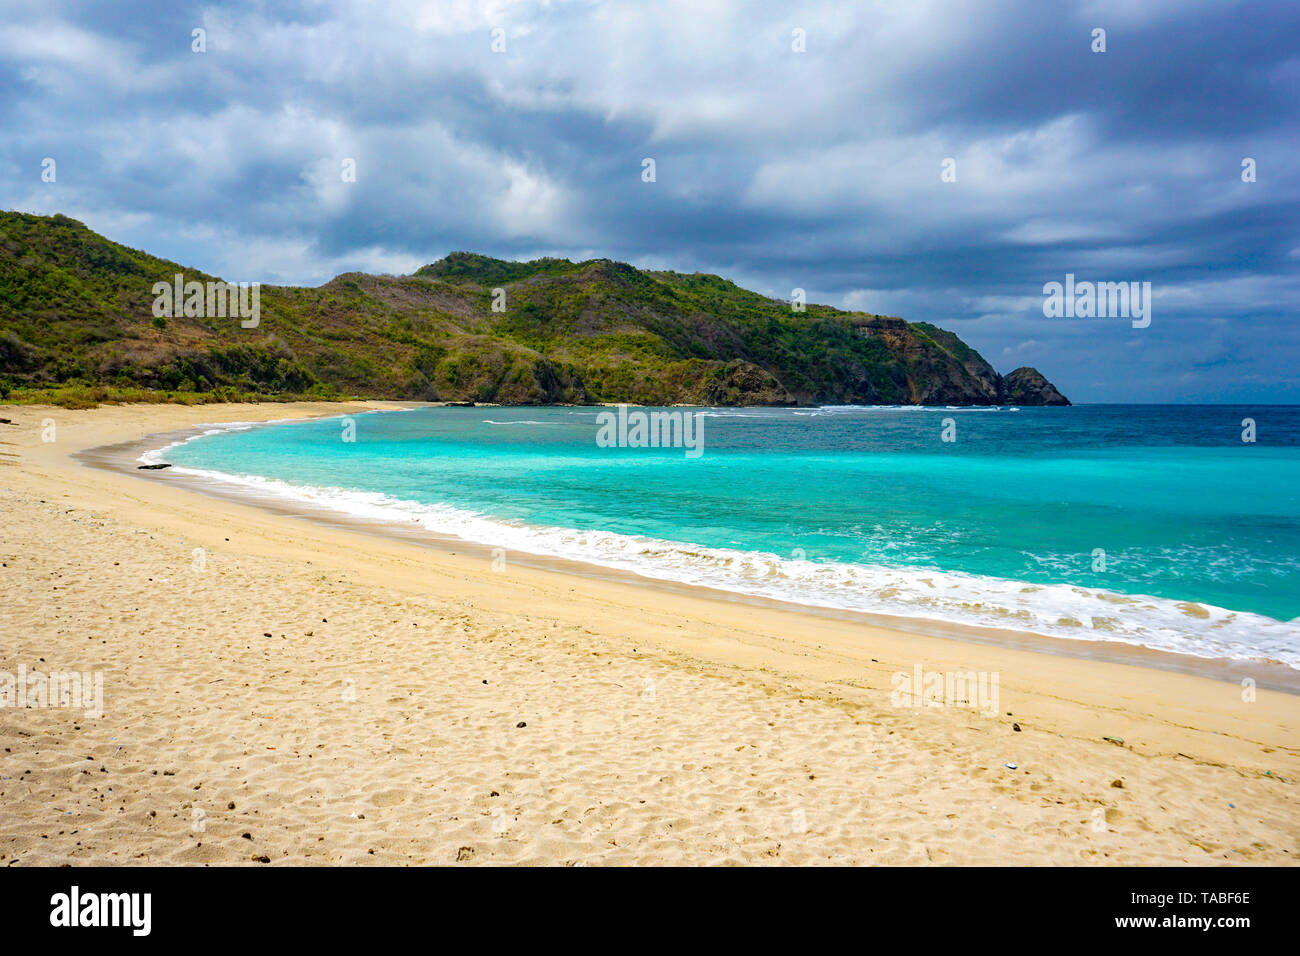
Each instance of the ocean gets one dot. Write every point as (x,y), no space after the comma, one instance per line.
(1149,525)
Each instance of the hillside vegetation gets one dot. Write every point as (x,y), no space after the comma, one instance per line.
(76,310)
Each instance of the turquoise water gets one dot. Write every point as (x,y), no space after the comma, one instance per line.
(1154,525)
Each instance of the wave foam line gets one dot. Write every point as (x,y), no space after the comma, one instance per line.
(1058,610)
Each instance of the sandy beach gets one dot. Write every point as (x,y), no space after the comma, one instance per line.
(277,690)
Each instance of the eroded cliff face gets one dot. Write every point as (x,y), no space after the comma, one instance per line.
(935,367)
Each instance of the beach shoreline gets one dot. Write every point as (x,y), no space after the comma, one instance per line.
(778,709)
(125,457)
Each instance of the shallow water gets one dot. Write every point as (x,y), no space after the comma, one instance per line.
(1153,525)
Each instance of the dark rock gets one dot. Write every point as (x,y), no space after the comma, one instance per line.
(152,467)
(1027,386)
(725,383)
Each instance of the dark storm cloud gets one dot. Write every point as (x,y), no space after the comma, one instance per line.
(778,169)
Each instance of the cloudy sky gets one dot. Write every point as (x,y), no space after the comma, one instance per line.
(819,168)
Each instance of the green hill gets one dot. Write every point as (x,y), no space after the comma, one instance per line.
(76,309)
